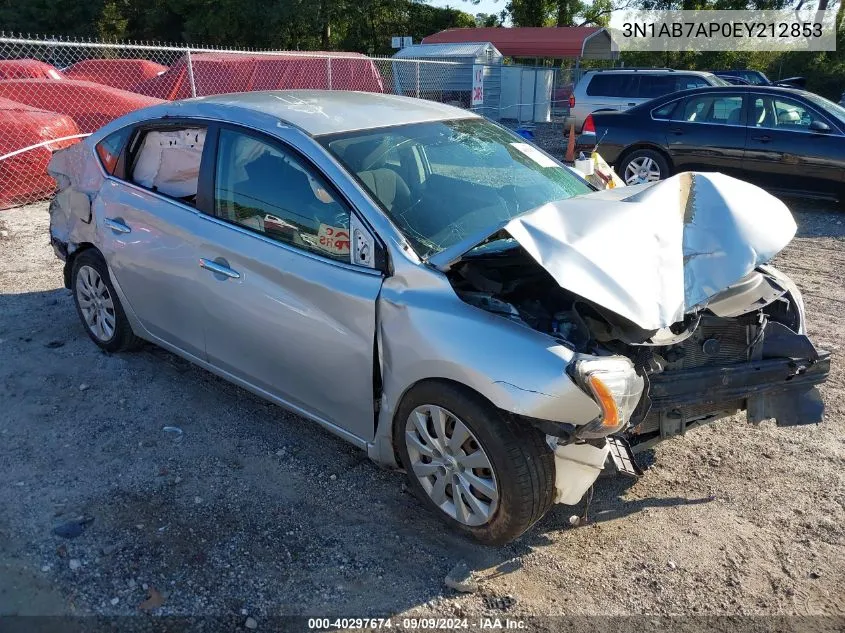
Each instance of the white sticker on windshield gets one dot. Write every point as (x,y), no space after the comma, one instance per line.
(534,154)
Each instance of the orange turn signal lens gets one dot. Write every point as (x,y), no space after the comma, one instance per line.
(604,397)
(109,160)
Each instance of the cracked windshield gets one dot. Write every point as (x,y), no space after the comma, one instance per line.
(443,181)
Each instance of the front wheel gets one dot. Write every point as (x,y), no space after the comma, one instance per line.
(642,166)
(481,471)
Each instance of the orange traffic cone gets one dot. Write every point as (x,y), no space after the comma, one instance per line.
(570,146)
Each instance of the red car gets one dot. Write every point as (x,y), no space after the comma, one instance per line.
(90,105)
(117,73)
(23,177)
(27,69)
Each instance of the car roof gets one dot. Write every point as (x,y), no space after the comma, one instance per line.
(642,71)
(647,106)
(736,71)
(320,112)
(737,88)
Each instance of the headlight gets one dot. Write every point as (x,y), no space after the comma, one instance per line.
(615,386)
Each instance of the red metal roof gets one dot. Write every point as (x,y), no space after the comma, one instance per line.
(565,41)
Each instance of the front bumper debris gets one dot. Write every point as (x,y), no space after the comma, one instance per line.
(577,466)
(784,389)
(623,457)
(768,381)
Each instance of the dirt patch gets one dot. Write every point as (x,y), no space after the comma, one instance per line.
(256,511)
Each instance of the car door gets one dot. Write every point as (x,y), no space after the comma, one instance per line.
(785,151)
(707,133)
(287,311)
(148,223)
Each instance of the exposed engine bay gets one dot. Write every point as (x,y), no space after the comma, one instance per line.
(739,330)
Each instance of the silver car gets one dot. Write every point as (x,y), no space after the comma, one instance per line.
(618,89)
(433,289)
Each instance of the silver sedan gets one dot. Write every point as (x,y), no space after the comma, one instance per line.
(434,289)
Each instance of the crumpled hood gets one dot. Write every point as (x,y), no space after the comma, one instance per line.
(651,252)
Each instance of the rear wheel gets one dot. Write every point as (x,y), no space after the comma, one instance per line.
(482,472)
(642,166)
(97,304)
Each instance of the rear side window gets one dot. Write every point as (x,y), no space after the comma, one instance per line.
(712,108)
(685,82)
(108,150)
(664,112)
(613,85)
(753,77)
(652,86)
(167,161)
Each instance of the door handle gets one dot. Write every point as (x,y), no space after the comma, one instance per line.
(763,139)
(219,268)
(632,104)
(117,225)
(676,131)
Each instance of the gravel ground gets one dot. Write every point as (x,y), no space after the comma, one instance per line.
(256,512)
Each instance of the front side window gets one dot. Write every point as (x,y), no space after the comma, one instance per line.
(442,181)
(783,114)
(833,110)
(723,109)
(266,189)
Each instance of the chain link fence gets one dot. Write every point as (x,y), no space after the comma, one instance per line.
(54,91)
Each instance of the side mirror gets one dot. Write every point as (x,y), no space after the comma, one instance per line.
(820,127)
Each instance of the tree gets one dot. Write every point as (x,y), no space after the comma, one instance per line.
(598,13)
(51,17)
(559,12)
(112,23)
(529,12)
(488,19)
(354,25)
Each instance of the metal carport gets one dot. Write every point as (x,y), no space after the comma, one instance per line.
(566,42)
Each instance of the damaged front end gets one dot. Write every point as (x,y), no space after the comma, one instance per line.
(663,293)
(750,362)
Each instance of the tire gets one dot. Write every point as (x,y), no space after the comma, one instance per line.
(97,304)
(656,169)
(521,463)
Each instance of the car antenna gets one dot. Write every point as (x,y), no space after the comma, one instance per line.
(596,146)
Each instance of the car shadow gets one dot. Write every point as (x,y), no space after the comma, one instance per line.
(607,502)
(246,497)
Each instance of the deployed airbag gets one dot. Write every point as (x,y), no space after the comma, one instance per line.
(169,162)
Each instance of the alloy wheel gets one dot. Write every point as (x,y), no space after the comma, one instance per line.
(95,303)
(641,170)
(451,465)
